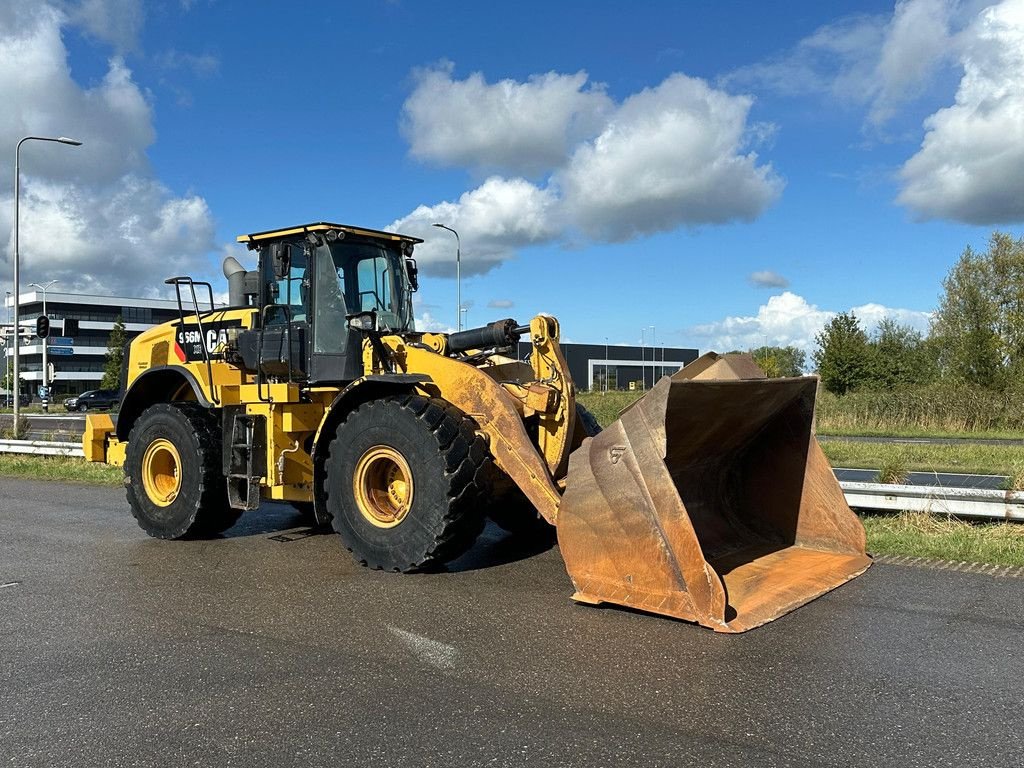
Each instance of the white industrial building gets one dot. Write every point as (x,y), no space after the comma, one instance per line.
(78,362)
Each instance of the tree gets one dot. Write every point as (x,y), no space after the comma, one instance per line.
(6,375)
(842,357)
(116,348)
(780,361)
(979,325)
(900,357)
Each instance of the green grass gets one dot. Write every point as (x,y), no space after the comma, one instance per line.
(942,408)
(892,431)
(894,471)
(606,405)
(971,458)
(59,468)
(945,538)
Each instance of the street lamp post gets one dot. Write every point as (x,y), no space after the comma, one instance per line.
(606,365)
(654,349)
(46,343)
(7,358)
(643,360)
(458,273)
(17,287)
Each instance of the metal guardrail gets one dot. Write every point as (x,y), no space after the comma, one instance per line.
(41,447)
(963,502)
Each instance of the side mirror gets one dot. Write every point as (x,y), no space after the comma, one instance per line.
(280,256)
(413,272)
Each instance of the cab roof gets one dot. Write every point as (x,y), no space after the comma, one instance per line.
(323,226)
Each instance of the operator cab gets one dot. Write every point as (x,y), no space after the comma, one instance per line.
(310,279)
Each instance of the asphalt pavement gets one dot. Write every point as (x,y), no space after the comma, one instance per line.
(271,647)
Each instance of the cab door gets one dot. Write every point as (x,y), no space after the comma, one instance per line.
(336,350)
(284,340)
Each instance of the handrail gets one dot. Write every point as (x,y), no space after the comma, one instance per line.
(177,282)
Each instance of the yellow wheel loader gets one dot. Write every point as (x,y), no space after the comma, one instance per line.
(708,500)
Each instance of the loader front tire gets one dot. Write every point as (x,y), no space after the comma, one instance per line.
(173,473)
(402,482)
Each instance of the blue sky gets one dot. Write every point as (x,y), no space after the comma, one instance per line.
(729,173)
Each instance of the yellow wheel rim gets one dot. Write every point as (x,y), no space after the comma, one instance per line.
(161,472)
(383,486)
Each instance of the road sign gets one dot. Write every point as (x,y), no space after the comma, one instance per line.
(61,341)
(62,350)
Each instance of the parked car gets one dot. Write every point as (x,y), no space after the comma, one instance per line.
(7,400)
(94,400)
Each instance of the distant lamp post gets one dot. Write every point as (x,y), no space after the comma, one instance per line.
(7,358)
(46,343)
(17,276)
(463,311)
(606,365)
(458,271)
(643,357)
(654,348)
(643,353)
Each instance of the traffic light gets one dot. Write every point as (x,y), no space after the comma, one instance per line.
(42,326)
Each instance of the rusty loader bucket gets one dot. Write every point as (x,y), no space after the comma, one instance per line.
(710,500)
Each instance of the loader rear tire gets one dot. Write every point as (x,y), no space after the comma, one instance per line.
(402,482)
(511,511)
(173,473)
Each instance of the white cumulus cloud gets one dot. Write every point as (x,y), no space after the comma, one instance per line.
(669,156)
(788,319)
(970,166)
(95,217)
(492,220)
(522,128)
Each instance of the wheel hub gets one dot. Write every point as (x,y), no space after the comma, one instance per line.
(161,472)
(383,486)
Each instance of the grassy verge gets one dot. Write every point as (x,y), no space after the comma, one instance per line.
(945,538)
(977,434)
(606,405)
(59,468)
(969,458)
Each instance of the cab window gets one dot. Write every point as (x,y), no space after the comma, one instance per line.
(291,291)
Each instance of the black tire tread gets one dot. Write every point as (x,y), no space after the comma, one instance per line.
(214,515)
(465,457)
